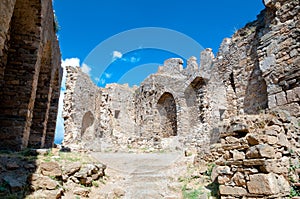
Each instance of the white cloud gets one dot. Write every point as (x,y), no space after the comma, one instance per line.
(102,81)
(107,75)
(134,59)
(131,59)
(97,79)
(70,62)
(117,55)
(86,69)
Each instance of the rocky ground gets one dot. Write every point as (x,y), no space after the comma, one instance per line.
(57,174)
(148,175)
(257,157)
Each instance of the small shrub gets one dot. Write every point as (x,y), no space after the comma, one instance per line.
(210,169)
(191,194)
(95,183)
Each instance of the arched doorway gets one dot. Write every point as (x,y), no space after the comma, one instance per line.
(256,98)
(166,106)
(42,101)
(87,121)
(194,96)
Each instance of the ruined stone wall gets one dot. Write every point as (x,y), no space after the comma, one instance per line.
(183,107)
(96,118)
(259,65)
(169,110)
(29,74)
(79,110)
(259,122)
(171,106)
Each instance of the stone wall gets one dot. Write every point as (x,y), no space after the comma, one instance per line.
(255,155)
(96,118)
(29,74)
(168,109)
(260,63)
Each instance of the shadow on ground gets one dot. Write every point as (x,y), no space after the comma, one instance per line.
(16,169)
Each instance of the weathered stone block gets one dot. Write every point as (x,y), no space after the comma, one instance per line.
(238,155)
(283,141)
(239,179)
(281,98)
(234,191)
(267,63)
(223,179)
(252,139)
(254,162)
(265,184)
(272,101)
(292,96)
(260,151)
(223,170)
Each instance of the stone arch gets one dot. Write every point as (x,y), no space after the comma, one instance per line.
(256,97)
(20,74)
(166,106)
(194,96)
(42,101)
(87,121)
(52,116)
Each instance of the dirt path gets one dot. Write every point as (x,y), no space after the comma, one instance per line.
(146,175)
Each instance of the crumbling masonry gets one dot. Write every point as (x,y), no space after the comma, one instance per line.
(30,74)
(257,69)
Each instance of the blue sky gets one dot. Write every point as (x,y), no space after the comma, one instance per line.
(91,33)
(85,24)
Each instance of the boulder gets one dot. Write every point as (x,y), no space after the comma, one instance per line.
(49,194)
(42,182)
(14,183)
(50,169)
(70,169)
(81,191)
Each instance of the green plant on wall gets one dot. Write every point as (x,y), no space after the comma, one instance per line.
(210,168)
(56,24)
(294,192)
